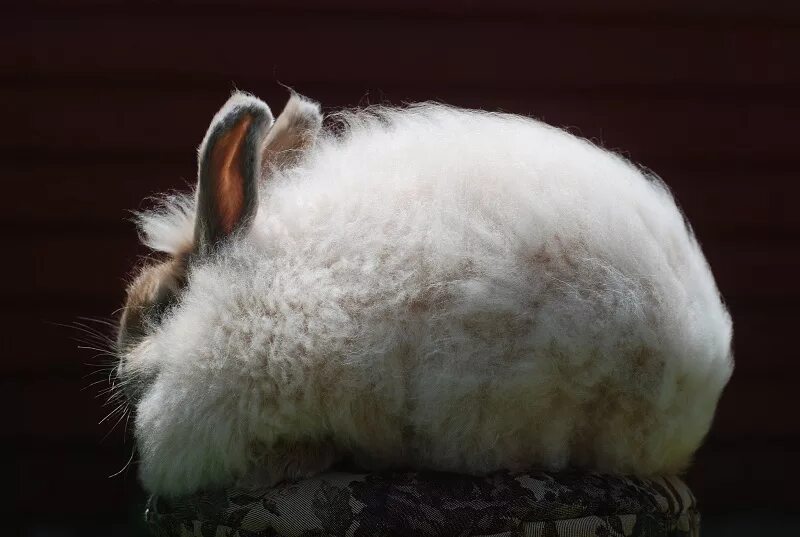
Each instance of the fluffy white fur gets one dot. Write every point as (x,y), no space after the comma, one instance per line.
(437,288)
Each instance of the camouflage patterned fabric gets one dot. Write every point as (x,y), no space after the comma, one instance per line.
(427,504)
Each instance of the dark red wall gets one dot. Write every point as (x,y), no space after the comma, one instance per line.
(104,103)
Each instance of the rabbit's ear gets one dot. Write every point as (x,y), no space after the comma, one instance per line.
(293,133)
(229,166)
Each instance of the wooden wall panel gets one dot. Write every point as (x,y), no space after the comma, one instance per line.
(362,51)
(105,101)
(711,10)
(646,127)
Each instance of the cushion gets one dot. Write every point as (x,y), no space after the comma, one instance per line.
(546,504)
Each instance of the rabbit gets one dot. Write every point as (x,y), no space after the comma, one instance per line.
(422,287)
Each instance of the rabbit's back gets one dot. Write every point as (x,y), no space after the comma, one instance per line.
(487,290)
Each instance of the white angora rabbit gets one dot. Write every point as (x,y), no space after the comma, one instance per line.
(424,287)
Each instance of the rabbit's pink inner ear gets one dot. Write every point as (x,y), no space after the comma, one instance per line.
(227,166)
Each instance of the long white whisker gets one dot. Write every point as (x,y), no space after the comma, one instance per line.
(117,409)
(98,321)
(119,420)
(125,429)
(88,331)
(103,352)
(112,399)
(127,464)
(95,383)
(102,369)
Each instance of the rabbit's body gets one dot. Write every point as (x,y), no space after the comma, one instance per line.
(441,289)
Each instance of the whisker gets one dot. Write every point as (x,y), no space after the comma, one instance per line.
(99,368)
(86,330)
(127,464)
(111,430)
(125,428)
(98,321)
(105,344)
(95,383)
(115,395)
(93,339)
(109,389)
(102,352)
(102,348)
(94,374)
(120,407)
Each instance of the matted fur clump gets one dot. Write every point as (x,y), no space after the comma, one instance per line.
(424,287)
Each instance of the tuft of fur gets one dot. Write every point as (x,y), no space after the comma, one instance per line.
(436,288)
(169,228)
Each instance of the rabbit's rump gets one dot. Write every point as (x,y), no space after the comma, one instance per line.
(440,289)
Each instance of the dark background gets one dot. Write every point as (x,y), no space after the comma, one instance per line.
(104,103)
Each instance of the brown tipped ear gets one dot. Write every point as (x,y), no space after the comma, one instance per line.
(229,165)
(293,133)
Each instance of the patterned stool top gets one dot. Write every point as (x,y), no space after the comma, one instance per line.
(427,504)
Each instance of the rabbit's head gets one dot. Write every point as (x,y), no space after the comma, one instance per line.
(241,148)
